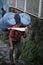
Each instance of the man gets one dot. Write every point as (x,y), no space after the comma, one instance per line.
(14,39)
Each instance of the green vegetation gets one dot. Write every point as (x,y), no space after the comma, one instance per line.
(29,53)
(32,53)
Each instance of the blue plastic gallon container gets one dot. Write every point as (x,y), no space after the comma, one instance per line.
(7,21)
(25,19)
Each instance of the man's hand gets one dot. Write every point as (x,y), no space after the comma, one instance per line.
(26,32)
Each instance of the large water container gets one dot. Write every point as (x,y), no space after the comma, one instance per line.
(2,25)
(25,19)
(7,21)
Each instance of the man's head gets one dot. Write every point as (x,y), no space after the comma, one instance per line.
(17,18)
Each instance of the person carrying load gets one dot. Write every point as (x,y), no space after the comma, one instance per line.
(15,37)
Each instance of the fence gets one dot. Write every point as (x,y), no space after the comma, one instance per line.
(33,7)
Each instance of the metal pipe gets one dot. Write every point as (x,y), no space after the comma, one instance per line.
(40,6)
(25,6)
(16,4)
